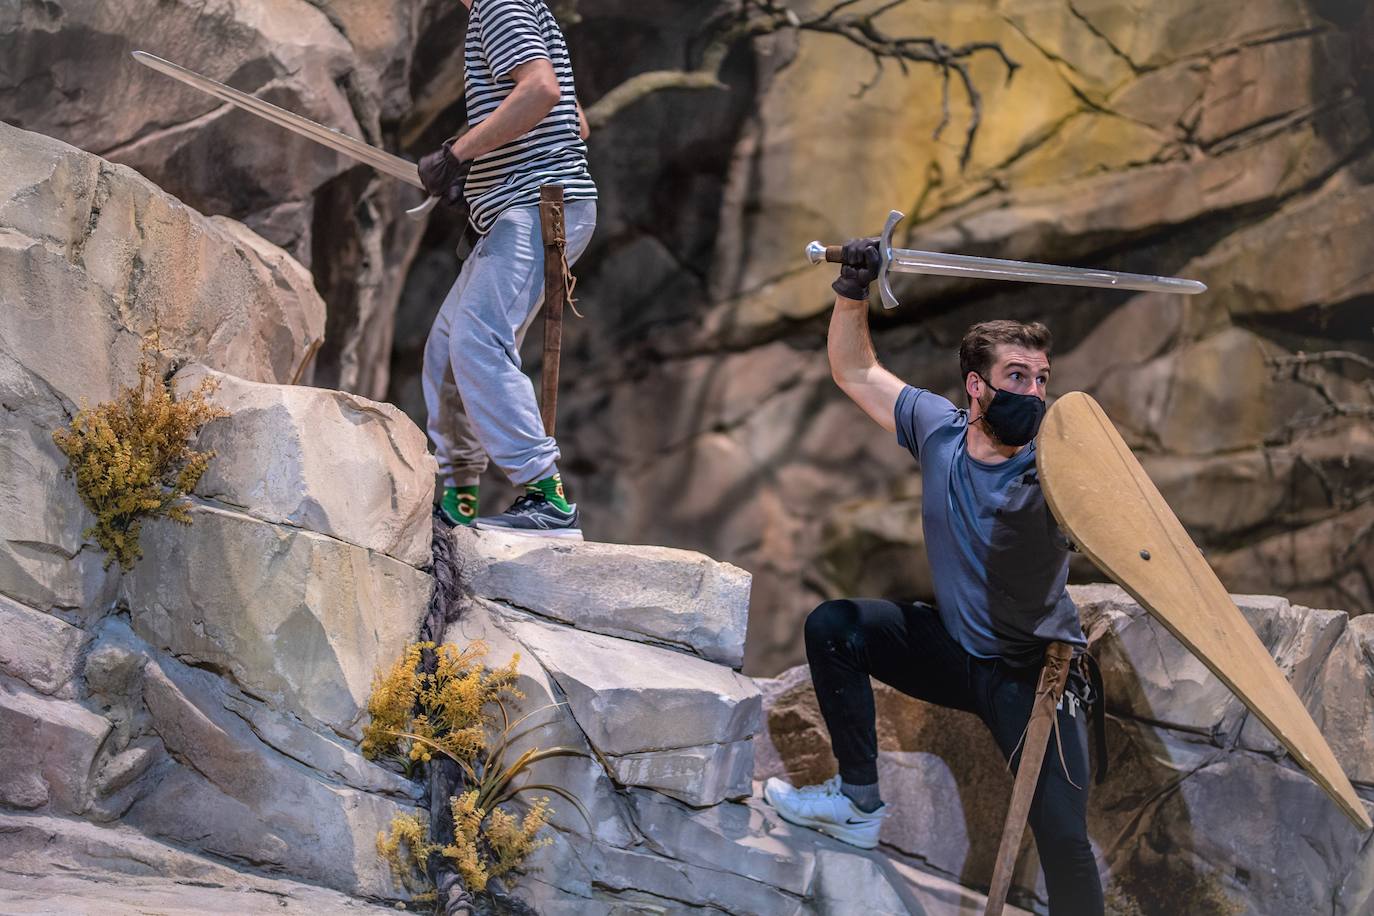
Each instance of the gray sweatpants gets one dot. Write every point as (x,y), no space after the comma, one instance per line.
(479,401)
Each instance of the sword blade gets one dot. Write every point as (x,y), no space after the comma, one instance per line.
(911,261)
(355,149)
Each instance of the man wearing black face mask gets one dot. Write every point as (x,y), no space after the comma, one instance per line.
(1000,564)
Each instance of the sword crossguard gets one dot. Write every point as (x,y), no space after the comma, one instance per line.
(885,250)
(816,252)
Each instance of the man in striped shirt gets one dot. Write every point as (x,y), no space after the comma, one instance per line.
(526,129)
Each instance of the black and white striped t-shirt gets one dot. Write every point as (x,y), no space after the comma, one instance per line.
(502,34)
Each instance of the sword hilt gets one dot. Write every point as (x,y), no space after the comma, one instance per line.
(834,254)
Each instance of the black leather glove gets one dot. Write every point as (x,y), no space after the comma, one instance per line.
(859,269)
(443,175)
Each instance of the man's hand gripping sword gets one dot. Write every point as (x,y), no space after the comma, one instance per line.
(907,260)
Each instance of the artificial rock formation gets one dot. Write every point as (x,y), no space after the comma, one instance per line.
(669,739)
(195,719)
(1170,138)
(341,465)
(1199,802)
(348,65)
(199,712)
(672,601)
(182,736)
(1180,138)
(96,259)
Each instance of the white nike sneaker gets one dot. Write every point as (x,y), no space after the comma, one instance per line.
(827,809)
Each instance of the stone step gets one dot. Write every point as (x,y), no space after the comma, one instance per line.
(674,598)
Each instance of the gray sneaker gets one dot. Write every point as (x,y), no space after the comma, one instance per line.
(533,515)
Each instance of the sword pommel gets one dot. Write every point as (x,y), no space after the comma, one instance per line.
(816,253)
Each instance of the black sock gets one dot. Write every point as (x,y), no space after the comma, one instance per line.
(865,798)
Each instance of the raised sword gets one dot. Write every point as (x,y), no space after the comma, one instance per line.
(911,261)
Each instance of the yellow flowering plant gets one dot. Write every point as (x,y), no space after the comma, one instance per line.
(459,711)
(132,459)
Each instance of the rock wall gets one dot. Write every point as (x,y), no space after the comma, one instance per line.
(183,736)
(348,64)
(1206,139)
(1228,143)
(1200,803)
(637,655)
(199,713)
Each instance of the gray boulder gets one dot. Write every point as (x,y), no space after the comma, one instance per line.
(293,616)
(40,649)
(675,598)
(327,461)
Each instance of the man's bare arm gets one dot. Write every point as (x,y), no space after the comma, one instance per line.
(584,130)
(536,92)
(854,363)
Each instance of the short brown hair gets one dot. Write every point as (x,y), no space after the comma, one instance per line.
(980,342)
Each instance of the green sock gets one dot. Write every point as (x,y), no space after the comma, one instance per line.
(552,488)
(459,504)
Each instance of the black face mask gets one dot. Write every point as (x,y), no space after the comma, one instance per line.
(1013,419)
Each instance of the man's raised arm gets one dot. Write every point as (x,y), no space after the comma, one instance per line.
(853,362)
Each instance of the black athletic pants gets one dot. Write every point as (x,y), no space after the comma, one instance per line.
(907,647)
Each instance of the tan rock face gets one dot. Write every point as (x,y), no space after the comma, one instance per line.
(105,101)
(1190,139)
(1309,563)
(331,462)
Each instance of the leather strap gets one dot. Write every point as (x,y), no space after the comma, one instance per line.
(1043,718)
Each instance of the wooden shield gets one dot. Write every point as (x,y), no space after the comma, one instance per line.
(1104,501)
